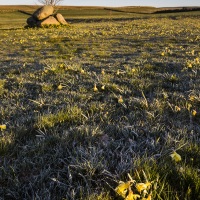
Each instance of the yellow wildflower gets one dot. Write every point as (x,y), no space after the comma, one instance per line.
(121,189)
(132,196)
(102,72)
(148,198)
(82,71)
(174,77)
(176,157)
(192,52)
(118,72)
(133,70)
(189,106)
(192,98)
(142,186)
(3,127)
(189,65)
(61,65)
(120,100)
(196,60)
(194,112)
(95,88)
(53,69)
(60,87)
(103,87)
(177,108)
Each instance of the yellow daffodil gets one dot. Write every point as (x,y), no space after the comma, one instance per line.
(3,127)
(196,60)
(120,100)
(173,77)
(194,112)
(53,69)
(142,186)
(133,70)
(121,189)
(60,87)
(132,196)
(82,71)
(177,109)
(176,157)
(189,106)
(189,65)
(61,65)
(148,198)
(192,98)
(103,87)
(95,88)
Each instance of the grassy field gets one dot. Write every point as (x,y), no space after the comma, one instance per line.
(112,97)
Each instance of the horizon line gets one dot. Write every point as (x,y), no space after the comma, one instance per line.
(100,5)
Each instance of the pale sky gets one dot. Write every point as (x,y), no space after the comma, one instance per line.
(158,3)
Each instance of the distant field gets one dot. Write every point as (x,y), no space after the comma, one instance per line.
(15,16)
(105,108)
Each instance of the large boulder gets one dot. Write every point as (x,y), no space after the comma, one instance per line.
(48,21)
(43,12)
(61,19)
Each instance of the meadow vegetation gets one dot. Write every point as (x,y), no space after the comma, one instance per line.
(86,106)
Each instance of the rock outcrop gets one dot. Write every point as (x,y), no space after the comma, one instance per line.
(44,17)
(61,19)
(48,21)
(43,12)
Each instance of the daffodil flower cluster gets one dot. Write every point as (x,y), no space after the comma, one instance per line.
(131,190)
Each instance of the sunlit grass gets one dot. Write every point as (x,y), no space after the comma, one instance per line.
(71,115)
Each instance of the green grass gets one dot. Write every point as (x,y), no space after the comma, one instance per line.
(12,19)
(72,142)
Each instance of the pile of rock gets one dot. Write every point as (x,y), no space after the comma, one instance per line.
(44,17)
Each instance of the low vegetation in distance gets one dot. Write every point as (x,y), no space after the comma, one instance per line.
(105,108)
